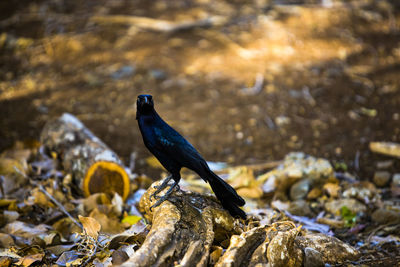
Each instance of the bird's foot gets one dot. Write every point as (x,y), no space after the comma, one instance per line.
(160,187)
(164,197)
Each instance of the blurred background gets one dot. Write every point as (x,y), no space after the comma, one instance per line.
(245,81)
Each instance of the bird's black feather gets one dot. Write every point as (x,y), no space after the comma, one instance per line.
(174,152)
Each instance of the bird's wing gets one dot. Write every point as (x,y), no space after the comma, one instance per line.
(171,143)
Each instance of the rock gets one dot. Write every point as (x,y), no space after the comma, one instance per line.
(396,180)
(123,72)
(332,189)
(6,241)
(353,205)
(385,164)
(158,74)
(242,246)
(395,186)
(300,189)
(282,121)
(381,178)
(270,185)
(333,250)
(314,193)
(296,166)
(280,205)
(363,191)
(312,258)
(284,251)
(300,208)
(384,216)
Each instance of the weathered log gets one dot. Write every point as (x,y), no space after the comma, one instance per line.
(94,166)
(183,229)
(186,225)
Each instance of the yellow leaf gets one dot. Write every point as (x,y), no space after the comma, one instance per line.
(133,219)
(91,226)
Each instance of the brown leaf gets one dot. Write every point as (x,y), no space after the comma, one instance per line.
(91,226)
(109,224)
(28,260)
(25,230)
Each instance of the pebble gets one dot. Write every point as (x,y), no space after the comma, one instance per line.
(384,216)
(314,193)
(353,205)
(386,164)
(300,189)
(381,178)
(300,208)
(332,189)
(123,72)
(396,180)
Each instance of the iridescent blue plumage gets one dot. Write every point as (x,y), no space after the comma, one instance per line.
(174,152)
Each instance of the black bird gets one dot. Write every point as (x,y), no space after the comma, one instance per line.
(174,152)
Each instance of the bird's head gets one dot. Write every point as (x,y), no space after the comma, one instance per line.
(144,104)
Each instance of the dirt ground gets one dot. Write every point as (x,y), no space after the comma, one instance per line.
(271,77)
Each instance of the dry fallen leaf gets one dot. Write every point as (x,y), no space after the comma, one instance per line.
(30,259)
(91,226)
(109,224)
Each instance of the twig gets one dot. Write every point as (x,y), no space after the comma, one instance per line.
(93,252)
(59,205)
(55,201)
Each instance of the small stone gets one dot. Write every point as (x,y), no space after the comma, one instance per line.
(353,205)
(332,189)
(381,178)
(282,121)
(313,258)
(384,216)
(300,208)
(123,72)
(6,241)
(333,250)
(364,191)
(300,189)
(158,74)
(384,164)
(314,193)
(396,180)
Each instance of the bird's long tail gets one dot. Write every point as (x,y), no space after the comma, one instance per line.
(225,193)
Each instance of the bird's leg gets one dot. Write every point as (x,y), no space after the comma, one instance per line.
(161,187)
(164,197)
